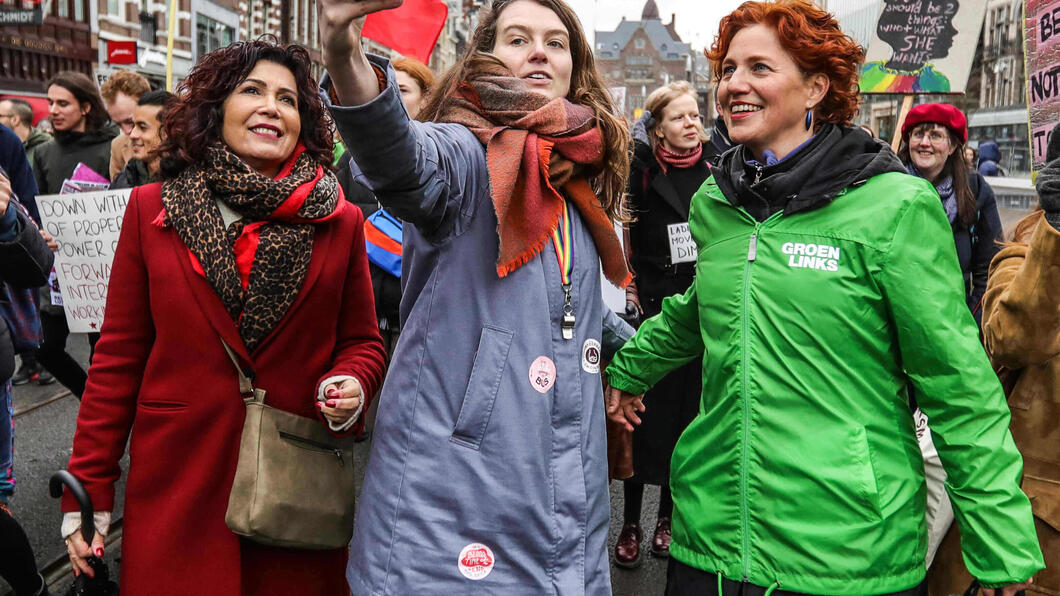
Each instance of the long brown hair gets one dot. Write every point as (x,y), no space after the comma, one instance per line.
(956,167)
(587,88)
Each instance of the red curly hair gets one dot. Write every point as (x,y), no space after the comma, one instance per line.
(194,122)
(815,42)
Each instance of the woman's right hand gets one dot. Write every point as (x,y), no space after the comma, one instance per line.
(79,552)
(341,22)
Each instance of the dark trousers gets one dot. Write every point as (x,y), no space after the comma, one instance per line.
(17,565)
(684,580)
(52,354)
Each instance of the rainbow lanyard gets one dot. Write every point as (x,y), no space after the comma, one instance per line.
(563,238)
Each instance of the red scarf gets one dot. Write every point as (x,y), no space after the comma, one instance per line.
(535,146)
(668,159)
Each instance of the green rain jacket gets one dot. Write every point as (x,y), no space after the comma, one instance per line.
(802,469)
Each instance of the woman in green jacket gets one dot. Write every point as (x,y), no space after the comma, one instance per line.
(826,285)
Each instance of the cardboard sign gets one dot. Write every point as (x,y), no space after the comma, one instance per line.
(682,246)
(910,52)
(86,226)
(1043,78)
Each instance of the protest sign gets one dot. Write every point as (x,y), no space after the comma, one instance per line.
(910,52)
(1043,68)
(86,226)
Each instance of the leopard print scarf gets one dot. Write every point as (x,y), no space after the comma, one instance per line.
(258,264)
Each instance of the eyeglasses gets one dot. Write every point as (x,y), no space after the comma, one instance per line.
(935,136)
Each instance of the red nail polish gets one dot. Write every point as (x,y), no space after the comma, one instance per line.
(99,551)
(320,404)
(330,403)
(334,393)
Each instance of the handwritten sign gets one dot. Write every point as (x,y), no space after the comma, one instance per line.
(1042,41)
(682,246)
(910,52)
(86,226)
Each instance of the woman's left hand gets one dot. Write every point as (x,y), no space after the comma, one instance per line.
(343,399)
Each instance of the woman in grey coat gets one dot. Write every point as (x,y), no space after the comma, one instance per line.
(488,470)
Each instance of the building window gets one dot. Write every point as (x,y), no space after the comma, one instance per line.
(639,43)
(79,10)
(148,27)
(211,34)
(115,8)
(64,8)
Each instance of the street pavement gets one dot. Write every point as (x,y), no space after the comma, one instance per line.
(45,417)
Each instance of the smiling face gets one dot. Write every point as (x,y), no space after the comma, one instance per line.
(930,146)
(144,137)
(261,120)
(679,125)
(411,93)
(121,111)
(763,95)
(534,44)
(66,113)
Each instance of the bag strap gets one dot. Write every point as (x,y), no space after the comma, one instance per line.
(246,386)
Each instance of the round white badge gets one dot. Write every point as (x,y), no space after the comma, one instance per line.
(476,561)
(542,374)
(591,356)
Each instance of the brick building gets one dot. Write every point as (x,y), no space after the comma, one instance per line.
(640,56)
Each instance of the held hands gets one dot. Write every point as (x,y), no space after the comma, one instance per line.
(342,402)
(622,407)
(1009,590)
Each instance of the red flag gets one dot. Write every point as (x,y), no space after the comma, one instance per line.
(411,29)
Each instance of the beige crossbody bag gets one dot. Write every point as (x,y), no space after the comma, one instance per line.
(294,483)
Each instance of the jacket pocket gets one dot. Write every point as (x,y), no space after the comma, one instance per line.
(864,471)
(1045,499)
(486,374)
(163,406)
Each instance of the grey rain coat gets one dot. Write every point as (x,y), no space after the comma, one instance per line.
(477,482)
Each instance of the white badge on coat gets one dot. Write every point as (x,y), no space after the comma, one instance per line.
(591,356)
(542,374)
(476,561)
(682,246)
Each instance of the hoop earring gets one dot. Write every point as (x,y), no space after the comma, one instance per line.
(809,119)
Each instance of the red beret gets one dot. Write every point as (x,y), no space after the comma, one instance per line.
(939,113)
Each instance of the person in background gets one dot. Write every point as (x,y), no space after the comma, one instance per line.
(990,159)
(488,470)
(970,156)
(46,126)
(933,141)
(121,92)
(17,114)
(247,242)
(1021,331)
(83,134)
(24,264)
(664,174)
(144,140)
(826,285)
(415,81)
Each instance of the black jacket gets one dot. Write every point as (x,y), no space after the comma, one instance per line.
(655,202)
(16,167)
(25,262)
(386,287)
(55,160)
(977,244)
(135,174)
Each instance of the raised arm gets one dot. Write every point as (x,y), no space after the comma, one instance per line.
(340,24)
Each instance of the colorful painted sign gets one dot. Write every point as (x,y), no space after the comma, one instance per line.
(910,52)
(1042,41)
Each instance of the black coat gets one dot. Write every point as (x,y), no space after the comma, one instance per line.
(386,287)
(25,262)
(977,244)
(656,202)
(55,160)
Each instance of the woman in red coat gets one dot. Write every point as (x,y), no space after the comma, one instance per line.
(250,241)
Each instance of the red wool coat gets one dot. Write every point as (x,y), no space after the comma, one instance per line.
(160,373)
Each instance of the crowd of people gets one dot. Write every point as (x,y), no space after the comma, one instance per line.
(846,386)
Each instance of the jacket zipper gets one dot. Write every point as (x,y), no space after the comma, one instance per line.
(758,174)
(318,446)
(745,376)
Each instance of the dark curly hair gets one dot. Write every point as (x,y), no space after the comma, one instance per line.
(195,121)
(815,42)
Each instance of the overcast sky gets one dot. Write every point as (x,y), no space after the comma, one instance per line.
(697,20)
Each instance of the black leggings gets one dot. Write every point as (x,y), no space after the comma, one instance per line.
(634,497)
(17,564)
(53,356)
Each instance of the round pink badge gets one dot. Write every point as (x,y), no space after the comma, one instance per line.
(543,374)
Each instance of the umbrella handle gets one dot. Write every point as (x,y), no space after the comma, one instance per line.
(55,487)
